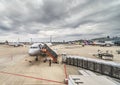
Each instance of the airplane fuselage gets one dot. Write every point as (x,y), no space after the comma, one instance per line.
(35,49)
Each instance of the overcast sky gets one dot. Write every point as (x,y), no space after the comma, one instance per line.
(61,19)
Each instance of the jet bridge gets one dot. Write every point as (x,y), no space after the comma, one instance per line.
(47,50)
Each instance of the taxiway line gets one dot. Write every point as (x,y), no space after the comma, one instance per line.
(2,72)
(65,71)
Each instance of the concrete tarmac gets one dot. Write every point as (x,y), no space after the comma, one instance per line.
(16,68)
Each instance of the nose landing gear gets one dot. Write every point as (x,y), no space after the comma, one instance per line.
(36,59)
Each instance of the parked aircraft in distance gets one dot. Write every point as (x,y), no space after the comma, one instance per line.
(15,44)
(103,44)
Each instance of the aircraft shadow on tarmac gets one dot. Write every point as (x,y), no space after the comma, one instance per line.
(33,62)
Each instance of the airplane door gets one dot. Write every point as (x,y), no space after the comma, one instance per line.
(40,47)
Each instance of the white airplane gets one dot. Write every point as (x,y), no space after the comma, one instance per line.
(103,44)
(40,49)
(15,44)
(99,43)
(36,50)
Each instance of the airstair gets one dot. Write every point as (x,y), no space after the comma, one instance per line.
(47,50)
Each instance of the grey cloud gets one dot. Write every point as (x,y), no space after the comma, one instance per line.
(4,28)
(53,11)
(31,17)
(50,12)
(88,34)
(97,17)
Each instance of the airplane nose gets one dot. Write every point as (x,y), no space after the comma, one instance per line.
(31,53)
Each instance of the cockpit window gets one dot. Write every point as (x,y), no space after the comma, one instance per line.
(33,47)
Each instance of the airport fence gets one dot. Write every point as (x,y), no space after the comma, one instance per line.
(109,68)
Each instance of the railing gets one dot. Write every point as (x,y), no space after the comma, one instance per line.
(50,52)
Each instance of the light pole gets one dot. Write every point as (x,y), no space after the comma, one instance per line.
(50,38)
(31,40)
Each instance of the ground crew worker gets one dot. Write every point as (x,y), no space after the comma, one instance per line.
(50,62)
(83,44)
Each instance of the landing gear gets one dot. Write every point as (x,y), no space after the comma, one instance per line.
(36,59)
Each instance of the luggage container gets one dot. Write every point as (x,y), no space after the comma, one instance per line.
(107,68)
(69,61)
(98,67)
(116,71)
(72,61)
(91,65)
(75,59)
(80,62)
(64,56)
(85,63)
